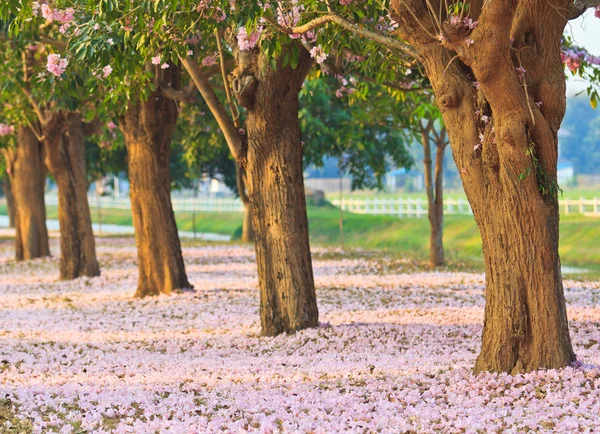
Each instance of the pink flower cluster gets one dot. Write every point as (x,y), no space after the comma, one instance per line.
(6,130)
(466,23)
(56,64)
(318,54)
(245,42)
(573,58)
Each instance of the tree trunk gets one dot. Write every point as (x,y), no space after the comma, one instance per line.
(10,201)
(65,158)
(27,175)
(506,147)
(148,130)
(276,190)
(437,212)
(247,230)
(435,196)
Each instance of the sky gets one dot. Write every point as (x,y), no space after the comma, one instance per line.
(586,32)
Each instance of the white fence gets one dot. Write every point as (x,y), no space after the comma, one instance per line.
(400,207)
(201,204)
(395,207)
(418,207)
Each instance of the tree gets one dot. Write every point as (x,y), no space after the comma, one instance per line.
(498,78)
(434,185)
(269,153)
(54,112)
(26,174)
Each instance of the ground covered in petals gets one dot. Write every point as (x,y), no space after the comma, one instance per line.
(392,354)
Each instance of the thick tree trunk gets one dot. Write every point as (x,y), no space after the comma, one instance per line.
(10,201)
(276,190)
(505,147)
(65,158)
(27,174)
(148,129)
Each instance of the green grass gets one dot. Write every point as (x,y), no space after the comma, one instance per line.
(580,246)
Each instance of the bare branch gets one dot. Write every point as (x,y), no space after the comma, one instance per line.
(386,41)
(232,135)
(232,107)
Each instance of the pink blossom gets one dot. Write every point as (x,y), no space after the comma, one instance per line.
(111,126)
(56,65)
(318,54)
(245,42)
(164,66)
(106,71)
(156,60)
(209,61)
(6,130)
(345,2)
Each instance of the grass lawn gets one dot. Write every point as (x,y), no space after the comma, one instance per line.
(580,236)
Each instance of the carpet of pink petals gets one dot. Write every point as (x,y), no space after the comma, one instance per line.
(393,353)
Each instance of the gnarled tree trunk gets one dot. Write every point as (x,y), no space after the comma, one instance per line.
(27,175)
(276,190)
(65,158)
(10,201)
(148,129)
(434,185)
(509,174)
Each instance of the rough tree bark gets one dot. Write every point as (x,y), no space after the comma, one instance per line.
(510,175)
(434,185)
(10,201)
(65,158)
(148,129)
(276,190)
(27,175)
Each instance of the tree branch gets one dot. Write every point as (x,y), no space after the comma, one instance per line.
(580,6)
(186,94)
(232,135)
(391,43)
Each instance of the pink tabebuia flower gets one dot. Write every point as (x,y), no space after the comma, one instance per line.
(246,42)
(318,53)
(106,71)
(6,130)
(56,65)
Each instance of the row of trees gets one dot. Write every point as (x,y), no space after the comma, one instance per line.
(496,74)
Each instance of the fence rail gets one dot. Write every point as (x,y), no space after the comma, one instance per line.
(394,207)
(418,207)
(400,207)
(201,204)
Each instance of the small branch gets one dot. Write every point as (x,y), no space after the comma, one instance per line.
(232,135)
(232,108)
(36,108)
(187,94)
(61,45)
